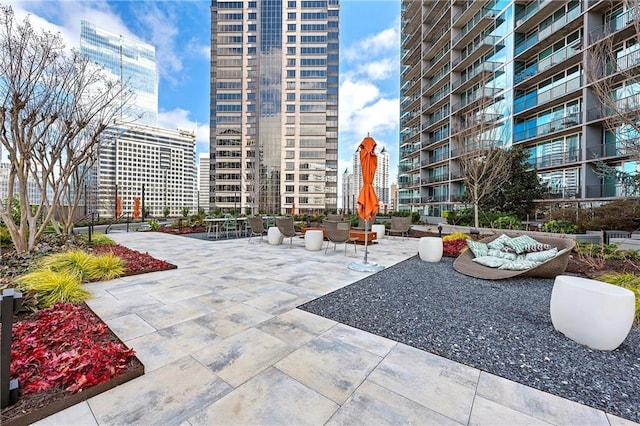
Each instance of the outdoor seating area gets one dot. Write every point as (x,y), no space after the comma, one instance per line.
(307,368)
(551,267)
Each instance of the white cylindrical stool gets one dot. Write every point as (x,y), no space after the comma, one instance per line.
(274,236)
(379,229)
(430,249)
(592,313)
(313,240)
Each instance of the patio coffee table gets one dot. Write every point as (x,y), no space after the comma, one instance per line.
(359,236)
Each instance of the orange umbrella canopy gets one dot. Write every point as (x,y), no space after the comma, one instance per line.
(367,199)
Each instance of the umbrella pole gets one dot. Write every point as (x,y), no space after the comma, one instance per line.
(366,223)
(365,266)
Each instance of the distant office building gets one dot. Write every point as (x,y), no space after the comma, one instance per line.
(380,179)
(133,61)
(156,166)
(349,194)
(203,181)
(518,67)
(274,105)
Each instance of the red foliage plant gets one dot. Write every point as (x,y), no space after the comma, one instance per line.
(65,346)
(453,248)
(136,262)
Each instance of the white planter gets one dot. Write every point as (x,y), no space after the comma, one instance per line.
(379,229)
(592,313)
(313,240)
(274,236)
(430,249)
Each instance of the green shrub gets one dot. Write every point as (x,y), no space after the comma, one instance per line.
(74,262)
(97,239)
(154,225)
(54,287)
(628,281)
(106,267)
(560,227)
(507,222)
(5,237)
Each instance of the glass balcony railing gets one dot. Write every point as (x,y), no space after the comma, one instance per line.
(540,35)
(557,158)
(533,131)
(533,99)
(549,61)
(529,11)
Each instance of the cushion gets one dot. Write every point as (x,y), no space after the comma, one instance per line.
(519,265)
(477,248)
(501,254)
(499,242)
(541,256)
(519,243)
(490,261)
(537,247)
(508,249)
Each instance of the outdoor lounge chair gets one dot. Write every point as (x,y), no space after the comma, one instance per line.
(400,225)
(286,227)
(547,269)
(257,227)
(338,232)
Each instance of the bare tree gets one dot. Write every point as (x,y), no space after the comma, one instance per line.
(483,161)
(54,107)
(613,74)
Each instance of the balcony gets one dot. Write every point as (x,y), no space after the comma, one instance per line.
(549,62)
(568,121)
(538,7)
(559,27)
(434,139)
(556,159)
(614,25)
(475,75)
(438,61)
(431,86)
(619,149)
(475,26)
(611,191)
(473,52)
(564,192)
(469,8)
(535,99)
(489,93)
(436,117)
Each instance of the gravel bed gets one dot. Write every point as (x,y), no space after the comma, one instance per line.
(502,327)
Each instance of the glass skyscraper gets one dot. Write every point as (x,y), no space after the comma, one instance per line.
(274,105)
(132,61)
(517,67)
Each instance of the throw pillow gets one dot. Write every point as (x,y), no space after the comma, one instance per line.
(519,243)
(541,256)
(477,248)
(490,261)
(537,247)
(499,242)
(502,254)
(519,265)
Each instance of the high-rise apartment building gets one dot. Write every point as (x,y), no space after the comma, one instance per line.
(380,179)
(156,166)
(203,181)
(274,105)
(518,67)
(132,61)
(349,193)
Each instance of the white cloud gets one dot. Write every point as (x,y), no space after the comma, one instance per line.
(383,42)
(179,119)
(378,70)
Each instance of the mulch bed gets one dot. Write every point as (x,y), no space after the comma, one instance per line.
(35,406)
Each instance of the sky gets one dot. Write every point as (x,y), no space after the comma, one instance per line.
(180,31)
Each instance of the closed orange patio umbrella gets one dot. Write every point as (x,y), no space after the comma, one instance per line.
(367,199)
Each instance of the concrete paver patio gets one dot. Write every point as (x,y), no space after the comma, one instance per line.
(223,343)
